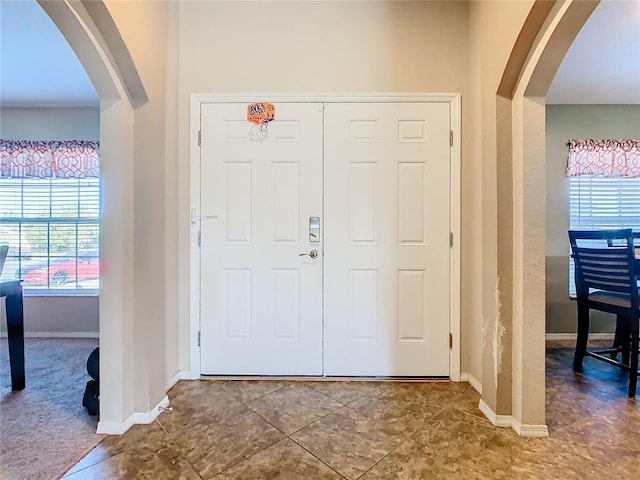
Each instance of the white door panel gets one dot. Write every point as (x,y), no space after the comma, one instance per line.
(387,239)
(261,302)
(382,307)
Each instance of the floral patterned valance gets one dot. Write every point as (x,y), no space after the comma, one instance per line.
(604,158)
(49,159)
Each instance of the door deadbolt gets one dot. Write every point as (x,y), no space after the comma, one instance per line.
(314,229)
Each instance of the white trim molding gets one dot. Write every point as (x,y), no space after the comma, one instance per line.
(535,431)
(181,375)
(142,418)
(57,334)
(173,380)
(467,377)
(189,375)
(495,419)
(115,428)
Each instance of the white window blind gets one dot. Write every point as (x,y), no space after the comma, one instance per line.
(52,228)
(597,203)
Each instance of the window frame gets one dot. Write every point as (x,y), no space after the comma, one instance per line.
(87,202)
(601,210)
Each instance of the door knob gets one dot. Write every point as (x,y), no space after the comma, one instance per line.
(312,254)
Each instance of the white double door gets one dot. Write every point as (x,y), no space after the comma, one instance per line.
(375,300)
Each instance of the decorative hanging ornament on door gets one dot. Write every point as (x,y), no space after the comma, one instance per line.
(260,114)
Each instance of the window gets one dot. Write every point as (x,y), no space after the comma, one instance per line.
(51,222)
(604,188)
(597,203)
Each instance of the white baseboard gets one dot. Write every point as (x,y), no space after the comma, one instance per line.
(189,375)
(57,334)
(467,377)
(181,375)
(143,418)
(572,336)
(505,421)
(115,428)
(495,419)
(173,380)
(534,431)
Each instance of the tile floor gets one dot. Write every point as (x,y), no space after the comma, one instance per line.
(370,430)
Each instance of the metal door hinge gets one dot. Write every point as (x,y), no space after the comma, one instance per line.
(450,341)
(199,137)
(198,338)
(199,238)
(451,138)
(450,239)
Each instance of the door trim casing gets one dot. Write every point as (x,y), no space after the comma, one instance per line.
(197,100)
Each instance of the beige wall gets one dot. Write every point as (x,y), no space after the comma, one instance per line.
(379,47)
(488,231)
(144,28)
(566,122)
(58,316)
(50,123)
(318,47)
(522,133)
(322,47)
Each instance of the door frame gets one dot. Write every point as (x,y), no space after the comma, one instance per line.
(196,102)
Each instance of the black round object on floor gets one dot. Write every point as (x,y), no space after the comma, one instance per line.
(93,364)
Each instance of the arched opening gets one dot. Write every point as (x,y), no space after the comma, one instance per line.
(543,43)
(119,94)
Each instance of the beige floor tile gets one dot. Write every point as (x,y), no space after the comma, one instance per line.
(388,431)
(404,407)
(412,461)
(573,402)
(435,392)
(293,407)
(457,441)
(348,441)
(554,460)
(150,465)
(345,391)
(401,416)
(138,441)
(469,402)
(226,439)
(193,402)
(247,390)
(138,438)
(602,440)
(285,460)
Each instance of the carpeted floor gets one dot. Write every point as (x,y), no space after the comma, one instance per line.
(44,429)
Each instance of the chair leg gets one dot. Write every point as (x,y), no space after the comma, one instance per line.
(583,336)
(622,338)
(633,363)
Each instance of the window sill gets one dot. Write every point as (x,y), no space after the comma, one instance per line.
(31,292)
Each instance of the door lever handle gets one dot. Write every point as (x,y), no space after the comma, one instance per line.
(312,254)
(195,217)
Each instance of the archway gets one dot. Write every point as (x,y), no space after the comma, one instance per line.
(119,94)
(544,40)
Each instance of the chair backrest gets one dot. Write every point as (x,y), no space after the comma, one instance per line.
(604,260)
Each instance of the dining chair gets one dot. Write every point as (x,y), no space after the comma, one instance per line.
(606,280)
(622,334)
